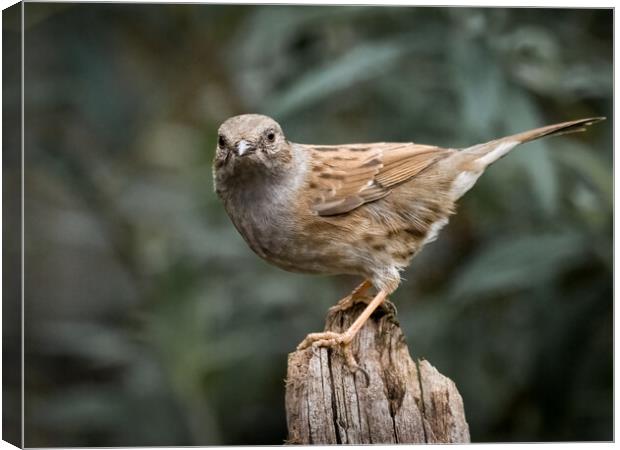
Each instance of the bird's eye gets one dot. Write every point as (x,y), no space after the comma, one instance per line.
(220,141)
(271,136)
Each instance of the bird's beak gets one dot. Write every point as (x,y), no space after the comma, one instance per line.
(244,147)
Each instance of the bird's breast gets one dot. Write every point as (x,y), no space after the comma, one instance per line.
(268,226)
(287,238)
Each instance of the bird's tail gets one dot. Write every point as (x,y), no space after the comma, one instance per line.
(468,164)
(489,152)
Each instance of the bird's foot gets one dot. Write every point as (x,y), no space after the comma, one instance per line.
(343,340)
(335,340)
(324,339)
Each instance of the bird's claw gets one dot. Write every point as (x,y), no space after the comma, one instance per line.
(325,339)
(332,340)
(352,363)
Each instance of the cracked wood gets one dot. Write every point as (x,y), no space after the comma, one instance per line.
(404,401)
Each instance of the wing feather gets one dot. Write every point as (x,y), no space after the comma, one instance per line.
(346,177)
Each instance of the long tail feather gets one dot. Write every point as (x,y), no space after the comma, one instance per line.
(490,152)
(471,162)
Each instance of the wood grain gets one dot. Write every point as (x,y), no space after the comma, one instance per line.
(402,401)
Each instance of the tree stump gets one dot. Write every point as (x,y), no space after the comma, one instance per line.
(402,401)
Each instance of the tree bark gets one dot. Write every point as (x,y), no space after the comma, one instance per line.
(400,401)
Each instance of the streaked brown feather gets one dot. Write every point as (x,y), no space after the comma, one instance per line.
(364,173)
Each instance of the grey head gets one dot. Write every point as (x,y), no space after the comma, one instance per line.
(251,145)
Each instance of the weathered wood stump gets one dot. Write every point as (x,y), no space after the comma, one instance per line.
(403,402)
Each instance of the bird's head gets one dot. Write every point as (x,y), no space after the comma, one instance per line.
(251,144)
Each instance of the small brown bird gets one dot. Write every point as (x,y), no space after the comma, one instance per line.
(360,209)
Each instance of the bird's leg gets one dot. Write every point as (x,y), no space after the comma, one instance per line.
(351,299)
(332,339)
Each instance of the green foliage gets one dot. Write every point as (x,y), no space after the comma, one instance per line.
(150,322)
(521,262)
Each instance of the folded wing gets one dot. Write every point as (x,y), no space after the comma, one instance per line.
(346,177)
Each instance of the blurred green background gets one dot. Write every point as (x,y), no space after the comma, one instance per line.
(149,321)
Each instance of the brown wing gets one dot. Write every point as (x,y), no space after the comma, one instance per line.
(348,176)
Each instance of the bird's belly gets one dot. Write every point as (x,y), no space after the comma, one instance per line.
(299,255)
(293,251)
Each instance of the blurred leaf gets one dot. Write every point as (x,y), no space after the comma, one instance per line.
(518,263)
(280,23)
(533,157)
(362,63)
(100,345)
(590,165)
(479,83)
(588,80)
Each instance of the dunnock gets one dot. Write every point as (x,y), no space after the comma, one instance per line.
(361,209)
